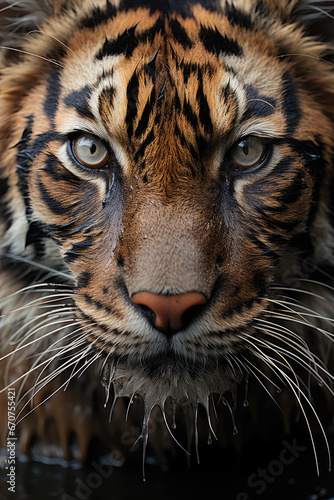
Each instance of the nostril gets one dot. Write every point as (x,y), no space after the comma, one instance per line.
(147,313)
(191,314)
(171,313)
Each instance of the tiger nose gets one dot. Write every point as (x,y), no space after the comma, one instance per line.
(169,310)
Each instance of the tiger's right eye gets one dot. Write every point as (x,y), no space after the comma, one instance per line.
(249,152)
(89,151)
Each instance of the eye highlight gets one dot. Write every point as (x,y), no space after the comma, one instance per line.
(249,152)
(89,151)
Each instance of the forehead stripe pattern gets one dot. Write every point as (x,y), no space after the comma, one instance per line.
(219,44)
(238,18)
(51,101)
(78,99)
(291,104)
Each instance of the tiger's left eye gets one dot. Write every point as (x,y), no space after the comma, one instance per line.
(90,151)
(249,152)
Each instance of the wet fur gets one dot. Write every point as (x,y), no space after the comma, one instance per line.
(75,247)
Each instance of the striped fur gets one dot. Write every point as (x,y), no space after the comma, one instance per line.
(171,92)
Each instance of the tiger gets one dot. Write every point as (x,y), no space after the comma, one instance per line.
(166,220)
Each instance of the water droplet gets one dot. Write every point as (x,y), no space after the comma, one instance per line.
(246,403)
(209,439)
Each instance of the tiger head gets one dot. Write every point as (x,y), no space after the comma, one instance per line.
(174,166)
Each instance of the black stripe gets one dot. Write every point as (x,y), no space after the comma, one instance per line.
(106,98)
(143,122)
(150,67)
(132,99)
(78,99)
(141,151)
(4,186)
(187,69)
(176,100)
(62,230)
(97,303)
(241,307)
(41,141)
(98,16)
(292,192)
(310,151)
(36,237)
(291,105)
(204,109)
(190,114)
(180,34)
(238,18)
(257,105)
(180,135)
(149,35)
(84,279)
(284,166)
(194,152)
(54,205)
(267,251)
(283,225)
(24,161)
(71,256)
(278,239)
(125,43)
(120,261)
(76,251)
(51,102)
(228,94)
(128,41)
(5,211)
(58,173)
(217,44)
(261,8)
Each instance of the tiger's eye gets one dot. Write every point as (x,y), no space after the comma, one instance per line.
(90,151)
(249,152)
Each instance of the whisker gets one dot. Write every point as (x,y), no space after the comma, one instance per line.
(57,297)
(298,393)
(33,55)
(248,364)
(37,264)
(38,339)
(36,288)
(33,368)
(53,37)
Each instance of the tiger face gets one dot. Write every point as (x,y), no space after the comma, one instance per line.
(173,167)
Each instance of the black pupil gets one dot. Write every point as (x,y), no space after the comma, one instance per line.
(245,147)
(93,149)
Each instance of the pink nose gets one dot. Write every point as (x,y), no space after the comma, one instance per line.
(169,309)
